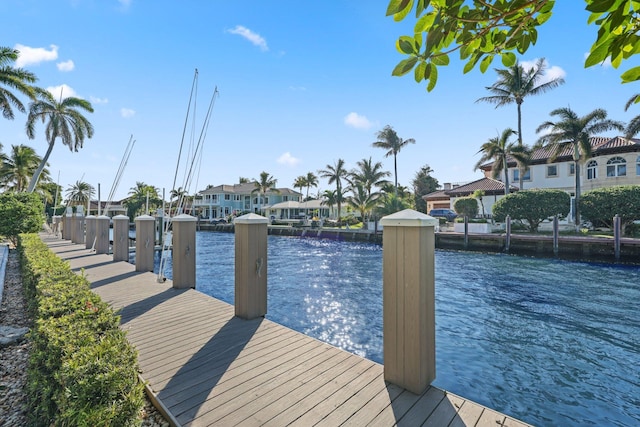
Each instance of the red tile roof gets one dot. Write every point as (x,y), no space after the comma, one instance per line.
(488,185)
(600,145)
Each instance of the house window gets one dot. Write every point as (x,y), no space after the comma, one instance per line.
(226,210)
(285,198)
(552,171)
(638,166)
(525,177)
(227,196)
(592,169)
(237,197)
(616,166)
(572,169)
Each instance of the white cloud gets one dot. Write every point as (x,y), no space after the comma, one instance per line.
(288,159)
(62,91)
(66,65)
(550,73)
(357,121)
(127,113)
(96,100)
(35,55)
(254,38)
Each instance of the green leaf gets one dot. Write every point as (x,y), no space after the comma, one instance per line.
(631,75)
(600,5)
(508,59)
(404,66)
(418,72)
(396,6)
(425,22)
(433,78)
(404,12)
(486,61)
(472,62)
(405,45)
(441,59)
(598,54)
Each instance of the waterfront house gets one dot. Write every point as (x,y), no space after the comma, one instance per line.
(445,198)
(223,200)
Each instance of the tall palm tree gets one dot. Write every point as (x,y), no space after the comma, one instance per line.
(515,84)
(18,167)
(369,175)
(571,134)
(79,193)
(498,150)
(13,78)
(389,140)
(263,185)
(633,127)
(312,181)
(300,182)
(63,120)
(335,174)
(329,199)
(137,201)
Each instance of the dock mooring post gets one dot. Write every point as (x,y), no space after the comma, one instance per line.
(250,266)
(145,242)
(90,237)
(102,234)
(66,223)
(616,236)
(77,230)
(556,234)
(121,238)
(507,237)
(408,295)
(466,232)
(184,251)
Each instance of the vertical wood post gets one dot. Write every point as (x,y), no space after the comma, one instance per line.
(250,266)
(466,232)
(507,237)
(102,234)
(408,263)
(77,230)
(184,251)
(616,236)
(556,234)
(90,237)
(121,238)
(145,242)
(57,224)
(66,223)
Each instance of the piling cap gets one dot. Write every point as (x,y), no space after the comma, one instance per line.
(251,218)
(184,218)
(144,218)
(103,217)
(121,217)
(408,218)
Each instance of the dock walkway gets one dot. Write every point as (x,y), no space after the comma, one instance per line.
(203,366)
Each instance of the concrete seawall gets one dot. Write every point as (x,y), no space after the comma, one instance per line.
(569,247)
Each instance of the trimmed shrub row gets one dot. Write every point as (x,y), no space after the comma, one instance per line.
(82,371)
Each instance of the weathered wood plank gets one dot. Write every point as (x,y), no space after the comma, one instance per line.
(423,408)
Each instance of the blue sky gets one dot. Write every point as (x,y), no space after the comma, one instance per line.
(300,85)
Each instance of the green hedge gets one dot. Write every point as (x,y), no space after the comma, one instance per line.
(82,371)
(533,206)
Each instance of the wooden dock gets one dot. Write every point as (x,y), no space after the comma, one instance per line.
(204,366)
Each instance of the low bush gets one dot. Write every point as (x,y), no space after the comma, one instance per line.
(466,206)
(532,206)
(20,213)
(82,371)
(600,206)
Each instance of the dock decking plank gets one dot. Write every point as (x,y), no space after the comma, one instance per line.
(208,367)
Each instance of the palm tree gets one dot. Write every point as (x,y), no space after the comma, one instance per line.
(335,174)
(369,175)
(634,125)
(515,84)
(13,78)
(329,199)
(79,193)
(263,185)
(572,134)
(18,168)
(300,183)
(312,181)
(391,203)
(243,180)
(63,120)
(362,201)
(138,196)
(499,149)
(389,140)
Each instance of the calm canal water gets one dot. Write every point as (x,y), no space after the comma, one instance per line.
(547,341)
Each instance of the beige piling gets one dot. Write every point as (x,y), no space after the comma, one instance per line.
(184,251)
(145,242)
(121,238)
(102,234)
(250,266)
